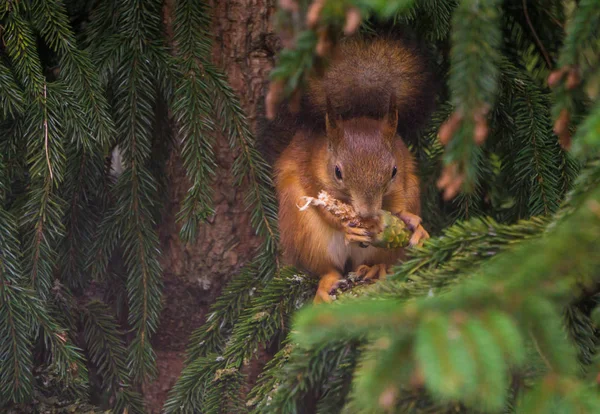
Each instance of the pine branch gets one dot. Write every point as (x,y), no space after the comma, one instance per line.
(249,165)
(534,169)
(188,394)
(587,139)
(193,109)
(64,359)
(211,337)
(225,395)
(305,378)
(578,60)
(260,323)
(76,70)
(509,307)
(138,27)
(82,184)
(21,49)
(12,101)
(44,211)
(474,60)
(267,382)
(105,345)
(582,33)
(15,324)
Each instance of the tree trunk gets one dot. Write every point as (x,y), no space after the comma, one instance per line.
(244,46)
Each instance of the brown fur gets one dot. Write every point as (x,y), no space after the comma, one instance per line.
(362,74)
(367,91)
(306,167)
(359,79)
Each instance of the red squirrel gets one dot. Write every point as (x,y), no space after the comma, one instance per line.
(348,145)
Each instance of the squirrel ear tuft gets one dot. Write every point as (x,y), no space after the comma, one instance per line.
(332,124)
(390,121)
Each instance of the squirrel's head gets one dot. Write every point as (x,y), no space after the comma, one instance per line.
(361,158)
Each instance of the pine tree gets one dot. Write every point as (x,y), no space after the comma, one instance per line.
(81,81)
(495,313)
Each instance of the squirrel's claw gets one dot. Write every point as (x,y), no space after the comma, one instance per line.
(413,223)
(328,283)
(418,237)
(378,271)
(357,235)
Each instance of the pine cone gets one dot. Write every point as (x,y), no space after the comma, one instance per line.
(394,233)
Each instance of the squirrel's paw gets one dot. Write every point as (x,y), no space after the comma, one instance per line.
(357,235)
(414,224)
(378,271)
(327,285)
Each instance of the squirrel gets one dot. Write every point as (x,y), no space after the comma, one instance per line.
(345,140)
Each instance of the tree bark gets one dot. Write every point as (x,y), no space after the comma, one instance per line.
(244,46)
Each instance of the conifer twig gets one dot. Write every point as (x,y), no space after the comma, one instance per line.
(46,135)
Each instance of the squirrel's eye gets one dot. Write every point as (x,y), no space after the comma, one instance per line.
(394,171)
(338,173)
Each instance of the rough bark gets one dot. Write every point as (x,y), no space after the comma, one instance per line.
(244,46)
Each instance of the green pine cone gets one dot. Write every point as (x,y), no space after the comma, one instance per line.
(395,234)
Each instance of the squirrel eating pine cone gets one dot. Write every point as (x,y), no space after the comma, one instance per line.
(394,233)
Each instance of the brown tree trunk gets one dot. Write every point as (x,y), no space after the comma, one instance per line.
(244,46)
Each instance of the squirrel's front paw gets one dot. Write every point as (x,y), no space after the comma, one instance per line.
(354,234)
(413,223)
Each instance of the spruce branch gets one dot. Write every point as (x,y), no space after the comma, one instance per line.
(138,27)
(194,110)
(76,69)
(12,101)
(587,139)
(104,24)
(267,315)
(104,344)
(108,352)
(307,377)
(265,319)
(44,210)
(582,33)
(82,190)
(443,261)
(474,59)
(16,379)
(536,179)
(64,358)
(225,312)
(521,301)
(250,164)
(578,57)
(267,382)
(22,51)
(225,393)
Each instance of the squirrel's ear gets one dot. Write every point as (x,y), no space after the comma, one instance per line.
(390,121)
(331,123)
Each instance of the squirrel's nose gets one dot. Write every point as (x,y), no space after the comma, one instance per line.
(367,213)
(368,210)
